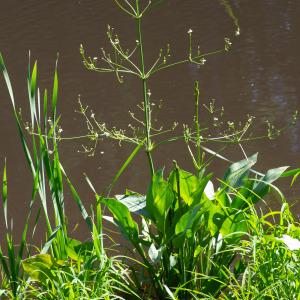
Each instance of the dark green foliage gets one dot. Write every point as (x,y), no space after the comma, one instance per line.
(190,235)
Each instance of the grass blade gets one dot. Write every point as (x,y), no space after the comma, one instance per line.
(79,203)
(124,166)
(54,92)
(4,195)
(50,240)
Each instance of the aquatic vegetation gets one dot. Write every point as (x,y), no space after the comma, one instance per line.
(192,235)
(61,259)
(123,62)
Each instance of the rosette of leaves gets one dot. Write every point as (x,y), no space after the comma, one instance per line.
(187,233)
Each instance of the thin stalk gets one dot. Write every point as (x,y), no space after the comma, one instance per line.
(154,278)
(184,61)
(197,125)
(178,186)
(147,115)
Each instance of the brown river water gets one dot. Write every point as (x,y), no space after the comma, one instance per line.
(260,76)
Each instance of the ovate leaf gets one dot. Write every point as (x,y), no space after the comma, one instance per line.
(262,186)
(122,218)
(187,223)
(188,184)
(159,199)
(135,203)
(41,267)
(239,170)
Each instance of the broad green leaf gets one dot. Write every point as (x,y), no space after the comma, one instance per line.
(241,197)
(72,250)
(188,184)
(204,186)
(187,224)
(234,227)
(261,188)
(41,267)
(290,173)
(188,219)
(239,170)
(213,215)
(72,254)
(86,247)
(160,198)
(123,218)
(135,203)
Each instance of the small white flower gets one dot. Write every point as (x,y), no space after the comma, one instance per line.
(228,42)
(291,243)
(190,31)
(202,61)
(102,152)
(92,115)
(60,130)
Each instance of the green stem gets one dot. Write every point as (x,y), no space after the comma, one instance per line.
(184,61)
(147,113)
(176,168)
(197,125)
(154,278)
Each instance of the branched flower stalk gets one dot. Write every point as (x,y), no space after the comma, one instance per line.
(146,94)
(123,62)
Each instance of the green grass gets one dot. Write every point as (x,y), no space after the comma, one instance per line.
(63,268)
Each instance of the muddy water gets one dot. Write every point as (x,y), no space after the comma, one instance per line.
(260,76)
